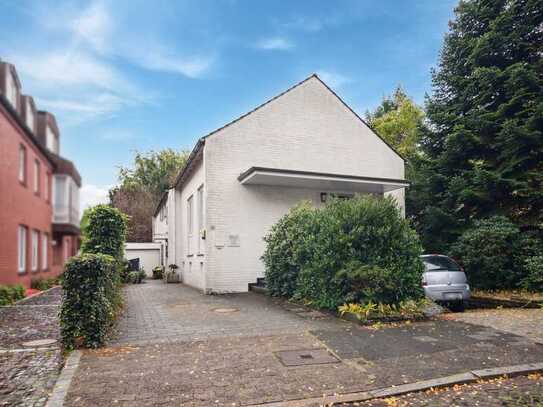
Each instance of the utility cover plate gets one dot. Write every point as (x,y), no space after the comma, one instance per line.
(305,357)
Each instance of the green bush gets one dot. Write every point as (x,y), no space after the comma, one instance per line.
(43,284)
(136,277)
(283,255)
(534,274)
(11,294)
(338,252)
(104,231)
(124,270)
(90,299)
(158,273)
(491,253)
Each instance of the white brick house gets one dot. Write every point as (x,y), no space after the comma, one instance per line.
(303,144)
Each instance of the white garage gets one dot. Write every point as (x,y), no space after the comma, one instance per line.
(148,253)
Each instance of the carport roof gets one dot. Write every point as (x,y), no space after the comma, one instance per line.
(318,180)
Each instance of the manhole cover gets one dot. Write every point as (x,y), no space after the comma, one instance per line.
(39,342)
(306,357)
(225,310)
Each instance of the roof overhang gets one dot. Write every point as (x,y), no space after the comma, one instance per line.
(61,229)
(320,181)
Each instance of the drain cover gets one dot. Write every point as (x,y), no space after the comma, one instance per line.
(306,357)
(225,310)
(39,342)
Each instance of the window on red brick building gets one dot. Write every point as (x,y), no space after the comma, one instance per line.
(22,249)
(37,177)
(35,243)
(44,250)
(22,164)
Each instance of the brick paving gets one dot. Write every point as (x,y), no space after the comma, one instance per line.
(27,375)
(158,312)
(525,322)
(175,346)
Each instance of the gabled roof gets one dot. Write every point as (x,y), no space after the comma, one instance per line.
(200,143)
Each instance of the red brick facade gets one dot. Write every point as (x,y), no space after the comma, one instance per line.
(27,203)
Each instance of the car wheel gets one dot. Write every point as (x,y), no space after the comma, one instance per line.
(458,306)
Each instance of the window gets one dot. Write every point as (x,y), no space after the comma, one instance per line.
(35,241)
(200,216)
(36,177)
(46,187)
(51,141)
(22,249)
(44,250)
(189,223)
(29,115)
(22,164)
(11,89)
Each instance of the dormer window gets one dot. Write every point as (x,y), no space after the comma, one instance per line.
(51,141)
(29,115)
(11,89)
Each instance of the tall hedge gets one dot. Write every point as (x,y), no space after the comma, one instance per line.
(90,299)
(92,282)
(348,251)
(104,231)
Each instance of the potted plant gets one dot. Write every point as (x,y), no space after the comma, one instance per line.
(172,276)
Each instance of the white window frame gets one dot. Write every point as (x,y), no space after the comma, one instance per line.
(46,187)
(22,163)
(29,115)
(11,88)
(200,216)
(35,239)
(51,140)
(22,248)
(44,251)
(37,177)
(190,222)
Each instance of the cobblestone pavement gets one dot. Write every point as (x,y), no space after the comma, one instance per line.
(176,346)
(518,391)
(525,322)
(157,312)
(28,374)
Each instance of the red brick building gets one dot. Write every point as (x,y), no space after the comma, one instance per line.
(39,190)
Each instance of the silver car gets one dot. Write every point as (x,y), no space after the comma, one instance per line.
(445,281)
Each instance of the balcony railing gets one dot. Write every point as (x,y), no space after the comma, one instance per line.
(65,214)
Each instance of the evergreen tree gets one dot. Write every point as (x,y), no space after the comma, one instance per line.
(483,148)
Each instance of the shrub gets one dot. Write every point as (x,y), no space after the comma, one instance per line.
(90,299)
(104,231)
(43,284)
(158,273)
(283,255)
(123,269)
(341,249)
(534,274)
(11,294)
(490,253)
(136,277)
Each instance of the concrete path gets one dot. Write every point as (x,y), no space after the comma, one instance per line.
(178,347)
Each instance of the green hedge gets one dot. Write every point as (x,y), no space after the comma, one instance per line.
(104,231)
(10,294)
(350,251)
(496,254)
(90,300)
(533,281)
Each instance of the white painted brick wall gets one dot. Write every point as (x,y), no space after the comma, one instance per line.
(307,129)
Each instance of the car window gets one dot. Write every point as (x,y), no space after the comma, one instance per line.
(440,263)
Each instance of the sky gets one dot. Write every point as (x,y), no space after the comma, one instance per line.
(137,75)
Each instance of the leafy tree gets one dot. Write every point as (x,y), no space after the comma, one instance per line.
(484,144)
(398,119)
(141,187)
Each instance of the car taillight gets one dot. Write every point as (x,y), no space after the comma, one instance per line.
(424,283)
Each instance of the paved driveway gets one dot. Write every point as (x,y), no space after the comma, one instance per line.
(158,312)
(176,346)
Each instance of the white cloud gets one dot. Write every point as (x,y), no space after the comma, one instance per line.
(91,195)
(94,26)
(334,79)
(275,43)
(305,24)
(191,67)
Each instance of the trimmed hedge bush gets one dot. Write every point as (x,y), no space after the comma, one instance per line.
(104,231)
(11,293)
(491,253)
(356,250)
(534,274)
(90,300)
(43,284)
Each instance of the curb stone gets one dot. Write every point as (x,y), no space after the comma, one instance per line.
(23,300)
(461,378)
(64,380)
